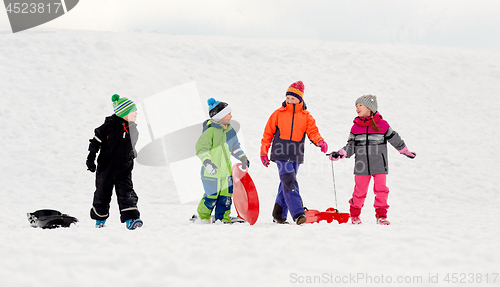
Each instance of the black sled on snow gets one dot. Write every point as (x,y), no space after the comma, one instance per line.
(49,218)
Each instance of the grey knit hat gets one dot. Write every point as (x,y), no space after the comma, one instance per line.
(370,101)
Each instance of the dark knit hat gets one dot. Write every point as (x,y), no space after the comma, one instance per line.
(297,90)
(370,101)
(217,110)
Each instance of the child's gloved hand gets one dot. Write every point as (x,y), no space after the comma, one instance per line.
(336,155)
(90,162)
(406,152)
(324,146)
(265,160)
(245,162)
(210,167)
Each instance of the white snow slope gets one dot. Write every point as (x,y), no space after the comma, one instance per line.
(55,88)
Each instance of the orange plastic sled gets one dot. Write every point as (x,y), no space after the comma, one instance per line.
(245,197)
(329,215)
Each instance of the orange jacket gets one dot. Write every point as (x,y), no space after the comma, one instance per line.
(286,130)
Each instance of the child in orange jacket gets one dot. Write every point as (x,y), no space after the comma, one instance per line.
(286,129)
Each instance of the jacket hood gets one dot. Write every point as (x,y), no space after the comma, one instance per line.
(302,105)
(366,120)
(114,119)
(360,124)
(210,123)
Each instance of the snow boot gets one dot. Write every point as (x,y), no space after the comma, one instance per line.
(300,219)
(196,219)
(133,223)
(220,222)
(383,221)
(100,223)
(355,220)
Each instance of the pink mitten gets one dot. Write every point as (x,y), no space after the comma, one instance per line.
(265,160)
(324,146)
(406,152)
(334,156)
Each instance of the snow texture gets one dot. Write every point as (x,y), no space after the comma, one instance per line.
(55,88)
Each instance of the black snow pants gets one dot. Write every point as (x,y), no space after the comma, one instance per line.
(116,140)
(126,196)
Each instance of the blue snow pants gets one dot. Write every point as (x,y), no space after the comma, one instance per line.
(288,198)
(218,195)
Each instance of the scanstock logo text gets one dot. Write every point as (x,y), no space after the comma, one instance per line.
(26,14)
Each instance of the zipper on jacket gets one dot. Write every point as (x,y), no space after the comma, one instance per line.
(367,155)
(293,117)
(227,158)
(385,163)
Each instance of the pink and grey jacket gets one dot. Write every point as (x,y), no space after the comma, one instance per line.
(370,146)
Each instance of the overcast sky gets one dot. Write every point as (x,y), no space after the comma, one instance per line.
(461,23)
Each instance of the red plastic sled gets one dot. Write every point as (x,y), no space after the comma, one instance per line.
(245,197)
(329,215)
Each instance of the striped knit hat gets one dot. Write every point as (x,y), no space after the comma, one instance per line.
(370,101)
(296,89)
(217,109)
(122,106)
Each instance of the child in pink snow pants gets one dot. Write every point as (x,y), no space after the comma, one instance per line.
(368,141)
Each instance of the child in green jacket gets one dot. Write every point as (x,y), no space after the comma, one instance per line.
(214,148)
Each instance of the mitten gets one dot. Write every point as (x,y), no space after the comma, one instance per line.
(90,162)
(265,160)
(406,152)
(245,162)
(324,146)
(210,167)
(336,155)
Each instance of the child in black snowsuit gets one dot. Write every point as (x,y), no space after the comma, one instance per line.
(116,140)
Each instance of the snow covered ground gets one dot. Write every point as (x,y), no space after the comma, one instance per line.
(55,88)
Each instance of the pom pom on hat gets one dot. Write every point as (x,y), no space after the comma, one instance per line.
(212,103)
(297,90)
(115,97)
(217,109)
(122,106)
(370,101)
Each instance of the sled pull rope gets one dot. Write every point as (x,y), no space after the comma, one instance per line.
(334,189)
(258,172)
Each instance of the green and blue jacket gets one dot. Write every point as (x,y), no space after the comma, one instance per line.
(218,144)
